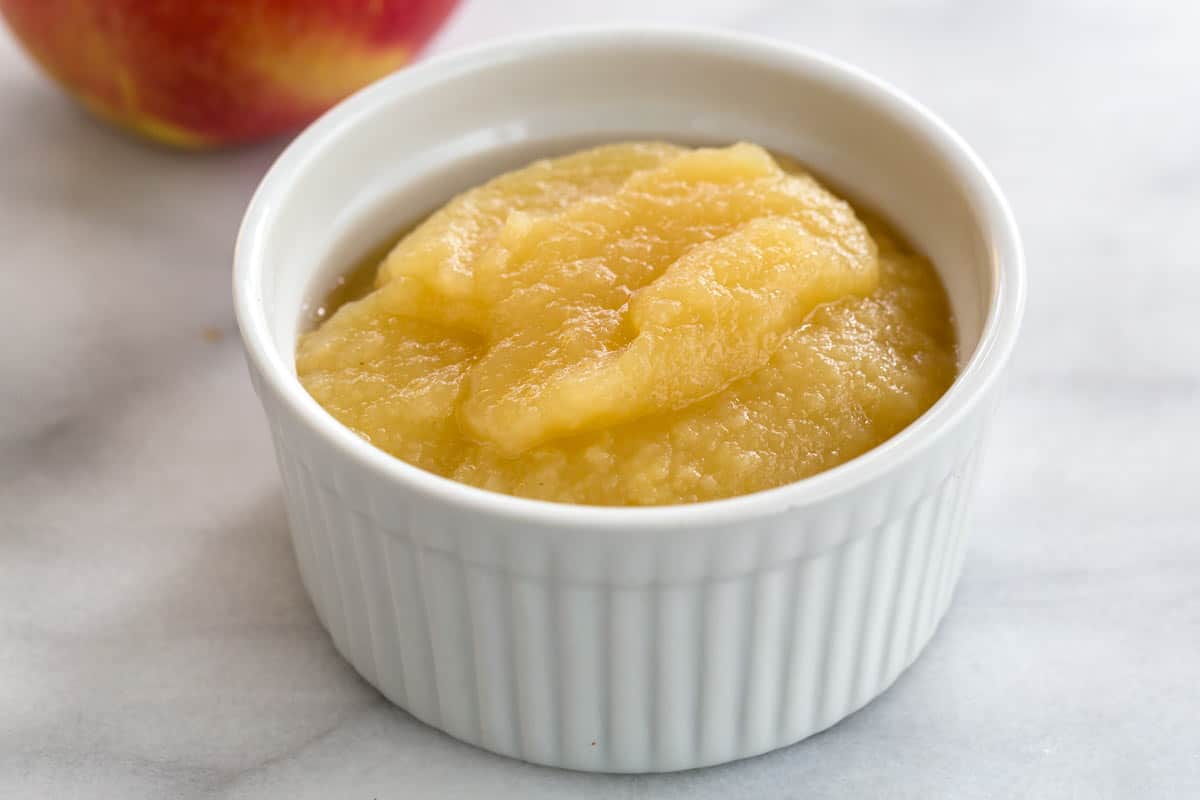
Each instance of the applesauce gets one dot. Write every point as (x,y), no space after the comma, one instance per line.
(637,324)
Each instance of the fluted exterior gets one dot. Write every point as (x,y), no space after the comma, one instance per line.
(629,652)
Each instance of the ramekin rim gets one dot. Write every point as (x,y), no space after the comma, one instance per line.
(987,362)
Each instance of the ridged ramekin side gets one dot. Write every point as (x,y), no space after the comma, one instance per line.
(630,667)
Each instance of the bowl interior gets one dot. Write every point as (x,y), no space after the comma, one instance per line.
(404,146)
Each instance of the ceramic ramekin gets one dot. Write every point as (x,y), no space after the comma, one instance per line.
(622,639)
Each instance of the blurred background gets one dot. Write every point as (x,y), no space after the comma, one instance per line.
(154,637)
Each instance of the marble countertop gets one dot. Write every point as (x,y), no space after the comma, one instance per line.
(155,641)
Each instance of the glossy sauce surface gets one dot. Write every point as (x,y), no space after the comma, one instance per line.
(638,324)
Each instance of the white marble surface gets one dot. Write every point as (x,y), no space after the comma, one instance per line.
(155,641)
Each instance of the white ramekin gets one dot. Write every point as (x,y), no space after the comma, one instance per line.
(624,639)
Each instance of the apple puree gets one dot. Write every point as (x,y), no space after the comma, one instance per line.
(638,324)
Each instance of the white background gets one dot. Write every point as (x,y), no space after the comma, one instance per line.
(155,641)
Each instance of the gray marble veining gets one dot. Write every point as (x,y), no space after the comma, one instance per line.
(154,638)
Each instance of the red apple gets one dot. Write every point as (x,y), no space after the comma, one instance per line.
(207,72)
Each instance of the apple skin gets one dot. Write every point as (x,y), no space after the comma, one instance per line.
(203,73)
